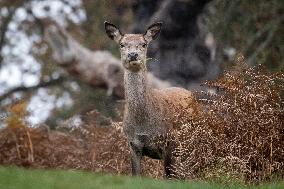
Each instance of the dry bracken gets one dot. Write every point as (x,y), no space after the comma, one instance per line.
(238,135)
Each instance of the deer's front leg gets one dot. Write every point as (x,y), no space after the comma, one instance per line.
(136,155)
(168,161)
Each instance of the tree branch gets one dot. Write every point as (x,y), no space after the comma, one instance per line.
(32,88)
(267,41)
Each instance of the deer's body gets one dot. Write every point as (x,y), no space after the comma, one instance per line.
(149,113)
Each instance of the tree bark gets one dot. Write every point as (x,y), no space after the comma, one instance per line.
(185,50)
(97,68)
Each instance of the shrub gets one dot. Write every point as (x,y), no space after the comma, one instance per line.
(240,134)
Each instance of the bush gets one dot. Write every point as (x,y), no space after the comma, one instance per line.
(240,135)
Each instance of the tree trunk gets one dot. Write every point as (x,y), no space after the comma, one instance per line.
(185,50)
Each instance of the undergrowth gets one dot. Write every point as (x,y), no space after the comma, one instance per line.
(238,135)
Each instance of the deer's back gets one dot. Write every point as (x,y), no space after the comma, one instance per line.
(172,101)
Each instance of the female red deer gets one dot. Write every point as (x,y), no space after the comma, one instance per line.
(149,113)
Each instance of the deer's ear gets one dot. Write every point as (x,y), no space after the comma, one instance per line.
(112,31)
(153,31)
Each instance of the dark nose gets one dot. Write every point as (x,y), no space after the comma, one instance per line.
(132,56)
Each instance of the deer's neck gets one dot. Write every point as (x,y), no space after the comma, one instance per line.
(136,92)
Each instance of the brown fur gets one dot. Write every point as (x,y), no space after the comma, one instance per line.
(149,113)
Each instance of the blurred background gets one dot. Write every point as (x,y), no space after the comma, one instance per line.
(50,50)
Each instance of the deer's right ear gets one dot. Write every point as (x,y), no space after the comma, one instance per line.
(112,31)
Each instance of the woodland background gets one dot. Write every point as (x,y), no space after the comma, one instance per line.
(59,71)
(199,40)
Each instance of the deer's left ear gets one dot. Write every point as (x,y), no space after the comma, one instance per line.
(153,31)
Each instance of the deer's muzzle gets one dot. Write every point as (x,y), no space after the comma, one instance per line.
(132,56)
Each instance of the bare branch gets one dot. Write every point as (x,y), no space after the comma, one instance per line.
(32,88)
(267,41)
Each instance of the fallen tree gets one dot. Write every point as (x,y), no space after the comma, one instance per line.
(97,68)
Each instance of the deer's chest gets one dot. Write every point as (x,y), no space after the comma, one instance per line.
(141,121)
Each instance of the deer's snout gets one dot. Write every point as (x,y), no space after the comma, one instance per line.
(132,56)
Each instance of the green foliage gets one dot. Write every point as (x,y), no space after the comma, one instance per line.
(254,28)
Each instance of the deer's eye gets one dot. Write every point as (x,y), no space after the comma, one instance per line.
(121,45)
(144,45)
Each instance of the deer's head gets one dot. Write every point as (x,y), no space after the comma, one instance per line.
(133,47)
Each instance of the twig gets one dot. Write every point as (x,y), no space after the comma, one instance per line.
(17,145)
(25,89)
(266,42)
(31,154)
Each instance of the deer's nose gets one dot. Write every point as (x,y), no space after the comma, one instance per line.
(132,56)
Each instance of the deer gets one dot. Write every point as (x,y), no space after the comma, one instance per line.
(148,112)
